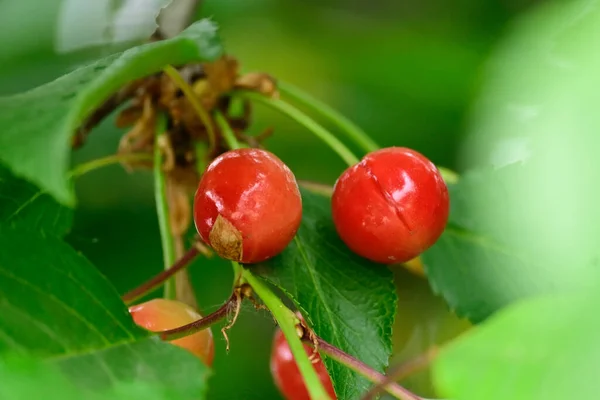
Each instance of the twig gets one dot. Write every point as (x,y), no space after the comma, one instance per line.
(158,280)
(232,303)
(363,369)
(403,370)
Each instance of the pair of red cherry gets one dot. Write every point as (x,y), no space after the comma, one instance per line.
(389,208)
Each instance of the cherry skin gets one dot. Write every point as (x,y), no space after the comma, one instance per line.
(248,206)
(286,373)
(391,206)
(161,314)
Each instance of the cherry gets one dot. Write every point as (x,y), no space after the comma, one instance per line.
(248,205)
(161,314)
(391,206)
(286,373)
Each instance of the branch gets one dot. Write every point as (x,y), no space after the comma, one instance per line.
(363,369)
(403,370)
(158,280)
(231,304)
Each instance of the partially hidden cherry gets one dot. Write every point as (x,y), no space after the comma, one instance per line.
(248,206)
(286,373)
(391,206)
(161,314)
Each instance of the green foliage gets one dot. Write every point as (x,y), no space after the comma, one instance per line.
(24,205)
(146,367)
(54,302)
(105,375)
(476,267)
(518,231)
(56,306)
(348,301)
(529,225)
(538,349)
(38,124)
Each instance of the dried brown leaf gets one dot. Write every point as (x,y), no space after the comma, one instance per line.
(258,82)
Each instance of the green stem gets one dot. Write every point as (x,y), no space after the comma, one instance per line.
(353,131)
(349,128)
(89,166)
(448,175)
(196,105)
(162,209)
(201,150)
(303,119)
(287,321)
(227,132)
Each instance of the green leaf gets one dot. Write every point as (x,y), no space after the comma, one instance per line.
(64,26)
(24,205)
(544,348)
(56,306)
(29,378)
(38,124)
(349,301)
(486,258)
(153,367)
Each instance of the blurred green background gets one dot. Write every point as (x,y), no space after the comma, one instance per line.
(406,71)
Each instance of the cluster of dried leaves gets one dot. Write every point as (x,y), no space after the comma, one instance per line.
(188,143)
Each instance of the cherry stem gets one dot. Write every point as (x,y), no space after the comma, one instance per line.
(231,304)
(287,321)
(97,163)
(196,105)
(349,128)
(321,188)
(403,370)
(363,369)
(334,143)
(353,131)
(162,208)
(227,132)
(160,278)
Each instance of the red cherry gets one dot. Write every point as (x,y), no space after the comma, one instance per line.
(286,374)
(391,206)
(248,205)
(161,314)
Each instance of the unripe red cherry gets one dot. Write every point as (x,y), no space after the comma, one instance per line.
(286,373)
(391,206)
(161,314)
(248,205)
